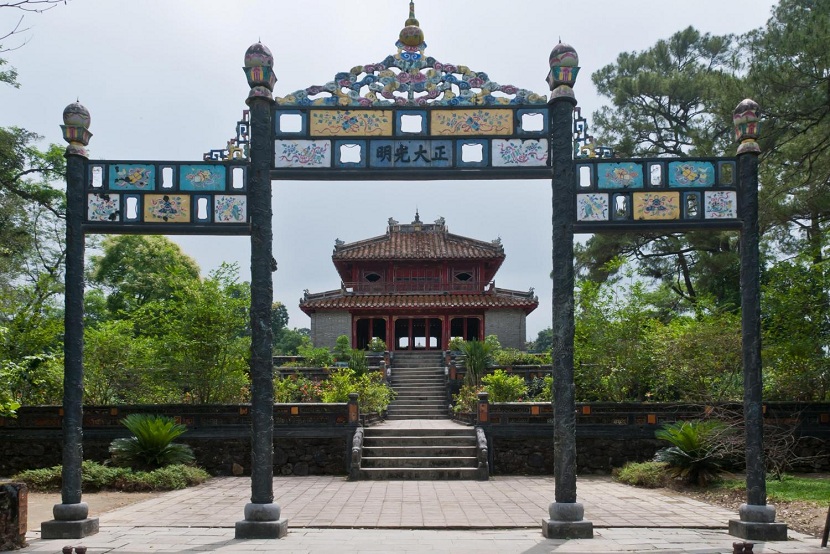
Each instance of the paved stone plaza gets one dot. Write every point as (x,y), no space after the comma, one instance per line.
(330,514)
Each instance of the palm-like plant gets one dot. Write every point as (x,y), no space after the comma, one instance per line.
(699,452)
(151,445)
(476,359)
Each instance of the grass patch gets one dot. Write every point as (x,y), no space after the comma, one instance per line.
(96,477)
(650,475)
(789,489)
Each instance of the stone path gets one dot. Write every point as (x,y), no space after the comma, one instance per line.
(502,502)
(330,514)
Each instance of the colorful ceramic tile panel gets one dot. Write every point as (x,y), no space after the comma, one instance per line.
(302,153)
(201,177)
(592,207)
(520,153)
(628,175)
(720,204)
(166,208)
(355,123)
(691,174)
(132,177)
(472,122)
(230,209)
(103,207)
(656,205)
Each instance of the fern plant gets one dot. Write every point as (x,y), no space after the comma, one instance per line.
(699,452)
(477,356)
(151,445)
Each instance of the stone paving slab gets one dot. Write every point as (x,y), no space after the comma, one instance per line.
(502,502)
(504,515)
(403,541)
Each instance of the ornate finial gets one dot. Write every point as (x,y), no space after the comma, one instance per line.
(417,216)
(392,222)
(747,126)
(411,38)
(440,221)
(412,20)
(564,67)
(338,242)
(75,128)
(259,69)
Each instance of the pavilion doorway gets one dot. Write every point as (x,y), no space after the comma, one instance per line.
(419,333)
(368,328)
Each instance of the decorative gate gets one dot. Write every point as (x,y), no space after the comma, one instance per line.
(408,117)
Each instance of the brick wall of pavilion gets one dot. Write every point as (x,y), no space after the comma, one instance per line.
(327,326)
(509,325)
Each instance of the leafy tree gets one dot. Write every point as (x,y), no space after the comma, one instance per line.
(136,269)
(674,98)
(291,341)
(796,330)
(544,341)
(115,365)
(199,343)
(699,358)
(789,74)
(279,321)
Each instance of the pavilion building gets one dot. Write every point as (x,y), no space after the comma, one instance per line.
(416,287)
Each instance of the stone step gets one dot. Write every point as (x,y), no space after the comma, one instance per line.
(433,473)
(432,405)
(421,389)
(419,451)
(416,401)
(448,433)
(418,416)
(411,410)
(419,462)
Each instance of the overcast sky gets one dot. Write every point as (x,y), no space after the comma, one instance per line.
(163,81)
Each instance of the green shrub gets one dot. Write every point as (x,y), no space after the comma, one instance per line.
(650,475)
(374,394)
(338,386)
(540,389)
(151,445)
(291,388)
(342,348)
(358,362)
(504,387)
(456,344)
(377,345)
(97,477)
(467,399)
(513,356)
(315,357)
(698,454)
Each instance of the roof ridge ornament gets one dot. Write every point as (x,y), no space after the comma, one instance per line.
(420,80)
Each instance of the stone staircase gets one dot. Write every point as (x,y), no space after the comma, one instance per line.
(420,453)
(419,441)
(421,386)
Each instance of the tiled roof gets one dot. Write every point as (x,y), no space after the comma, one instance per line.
(433,242)
(499,298)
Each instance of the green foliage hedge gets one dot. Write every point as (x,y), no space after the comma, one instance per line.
(96,477)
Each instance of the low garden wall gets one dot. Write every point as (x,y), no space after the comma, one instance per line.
(309,439)
(315,439)
(520,434)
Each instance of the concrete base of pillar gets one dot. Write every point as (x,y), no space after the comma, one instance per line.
(553,529)
(77,529)
(753,531)
(261,529)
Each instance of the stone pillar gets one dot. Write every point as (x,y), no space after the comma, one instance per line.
(566,514)
(262,514)
(71,515)
(757,519)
